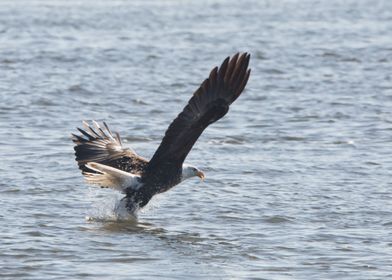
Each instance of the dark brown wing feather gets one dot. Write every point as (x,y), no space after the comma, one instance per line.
(208,104)
(96,144)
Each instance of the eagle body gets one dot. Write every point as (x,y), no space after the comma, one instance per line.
(105,162)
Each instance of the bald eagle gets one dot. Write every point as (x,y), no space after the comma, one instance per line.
(106,163)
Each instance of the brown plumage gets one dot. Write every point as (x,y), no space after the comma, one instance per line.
(208,104)
(96,144)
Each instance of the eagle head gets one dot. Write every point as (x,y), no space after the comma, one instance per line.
(189,171)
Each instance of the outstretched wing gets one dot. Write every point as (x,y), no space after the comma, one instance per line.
(96,144)
(208,104)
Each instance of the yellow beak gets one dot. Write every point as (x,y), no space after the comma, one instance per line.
(200,175)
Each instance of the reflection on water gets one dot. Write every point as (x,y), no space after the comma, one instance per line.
(131,226)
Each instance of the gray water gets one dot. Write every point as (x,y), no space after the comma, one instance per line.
(298,173)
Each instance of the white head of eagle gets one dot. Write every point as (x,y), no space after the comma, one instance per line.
(189,171)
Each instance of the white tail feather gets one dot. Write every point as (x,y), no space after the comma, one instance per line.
(109,177)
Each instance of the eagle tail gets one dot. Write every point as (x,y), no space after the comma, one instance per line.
(110,177)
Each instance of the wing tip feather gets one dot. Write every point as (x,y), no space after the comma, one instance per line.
(219,90)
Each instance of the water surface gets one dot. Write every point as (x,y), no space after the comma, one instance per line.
(298,173)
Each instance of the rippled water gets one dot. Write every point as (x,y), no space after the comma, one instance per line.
(298,173)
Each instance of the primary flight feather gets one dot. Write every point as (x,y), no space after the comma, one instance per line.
(105,162)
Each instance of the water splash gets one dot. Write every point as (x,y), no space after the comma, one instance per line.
(108,208)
